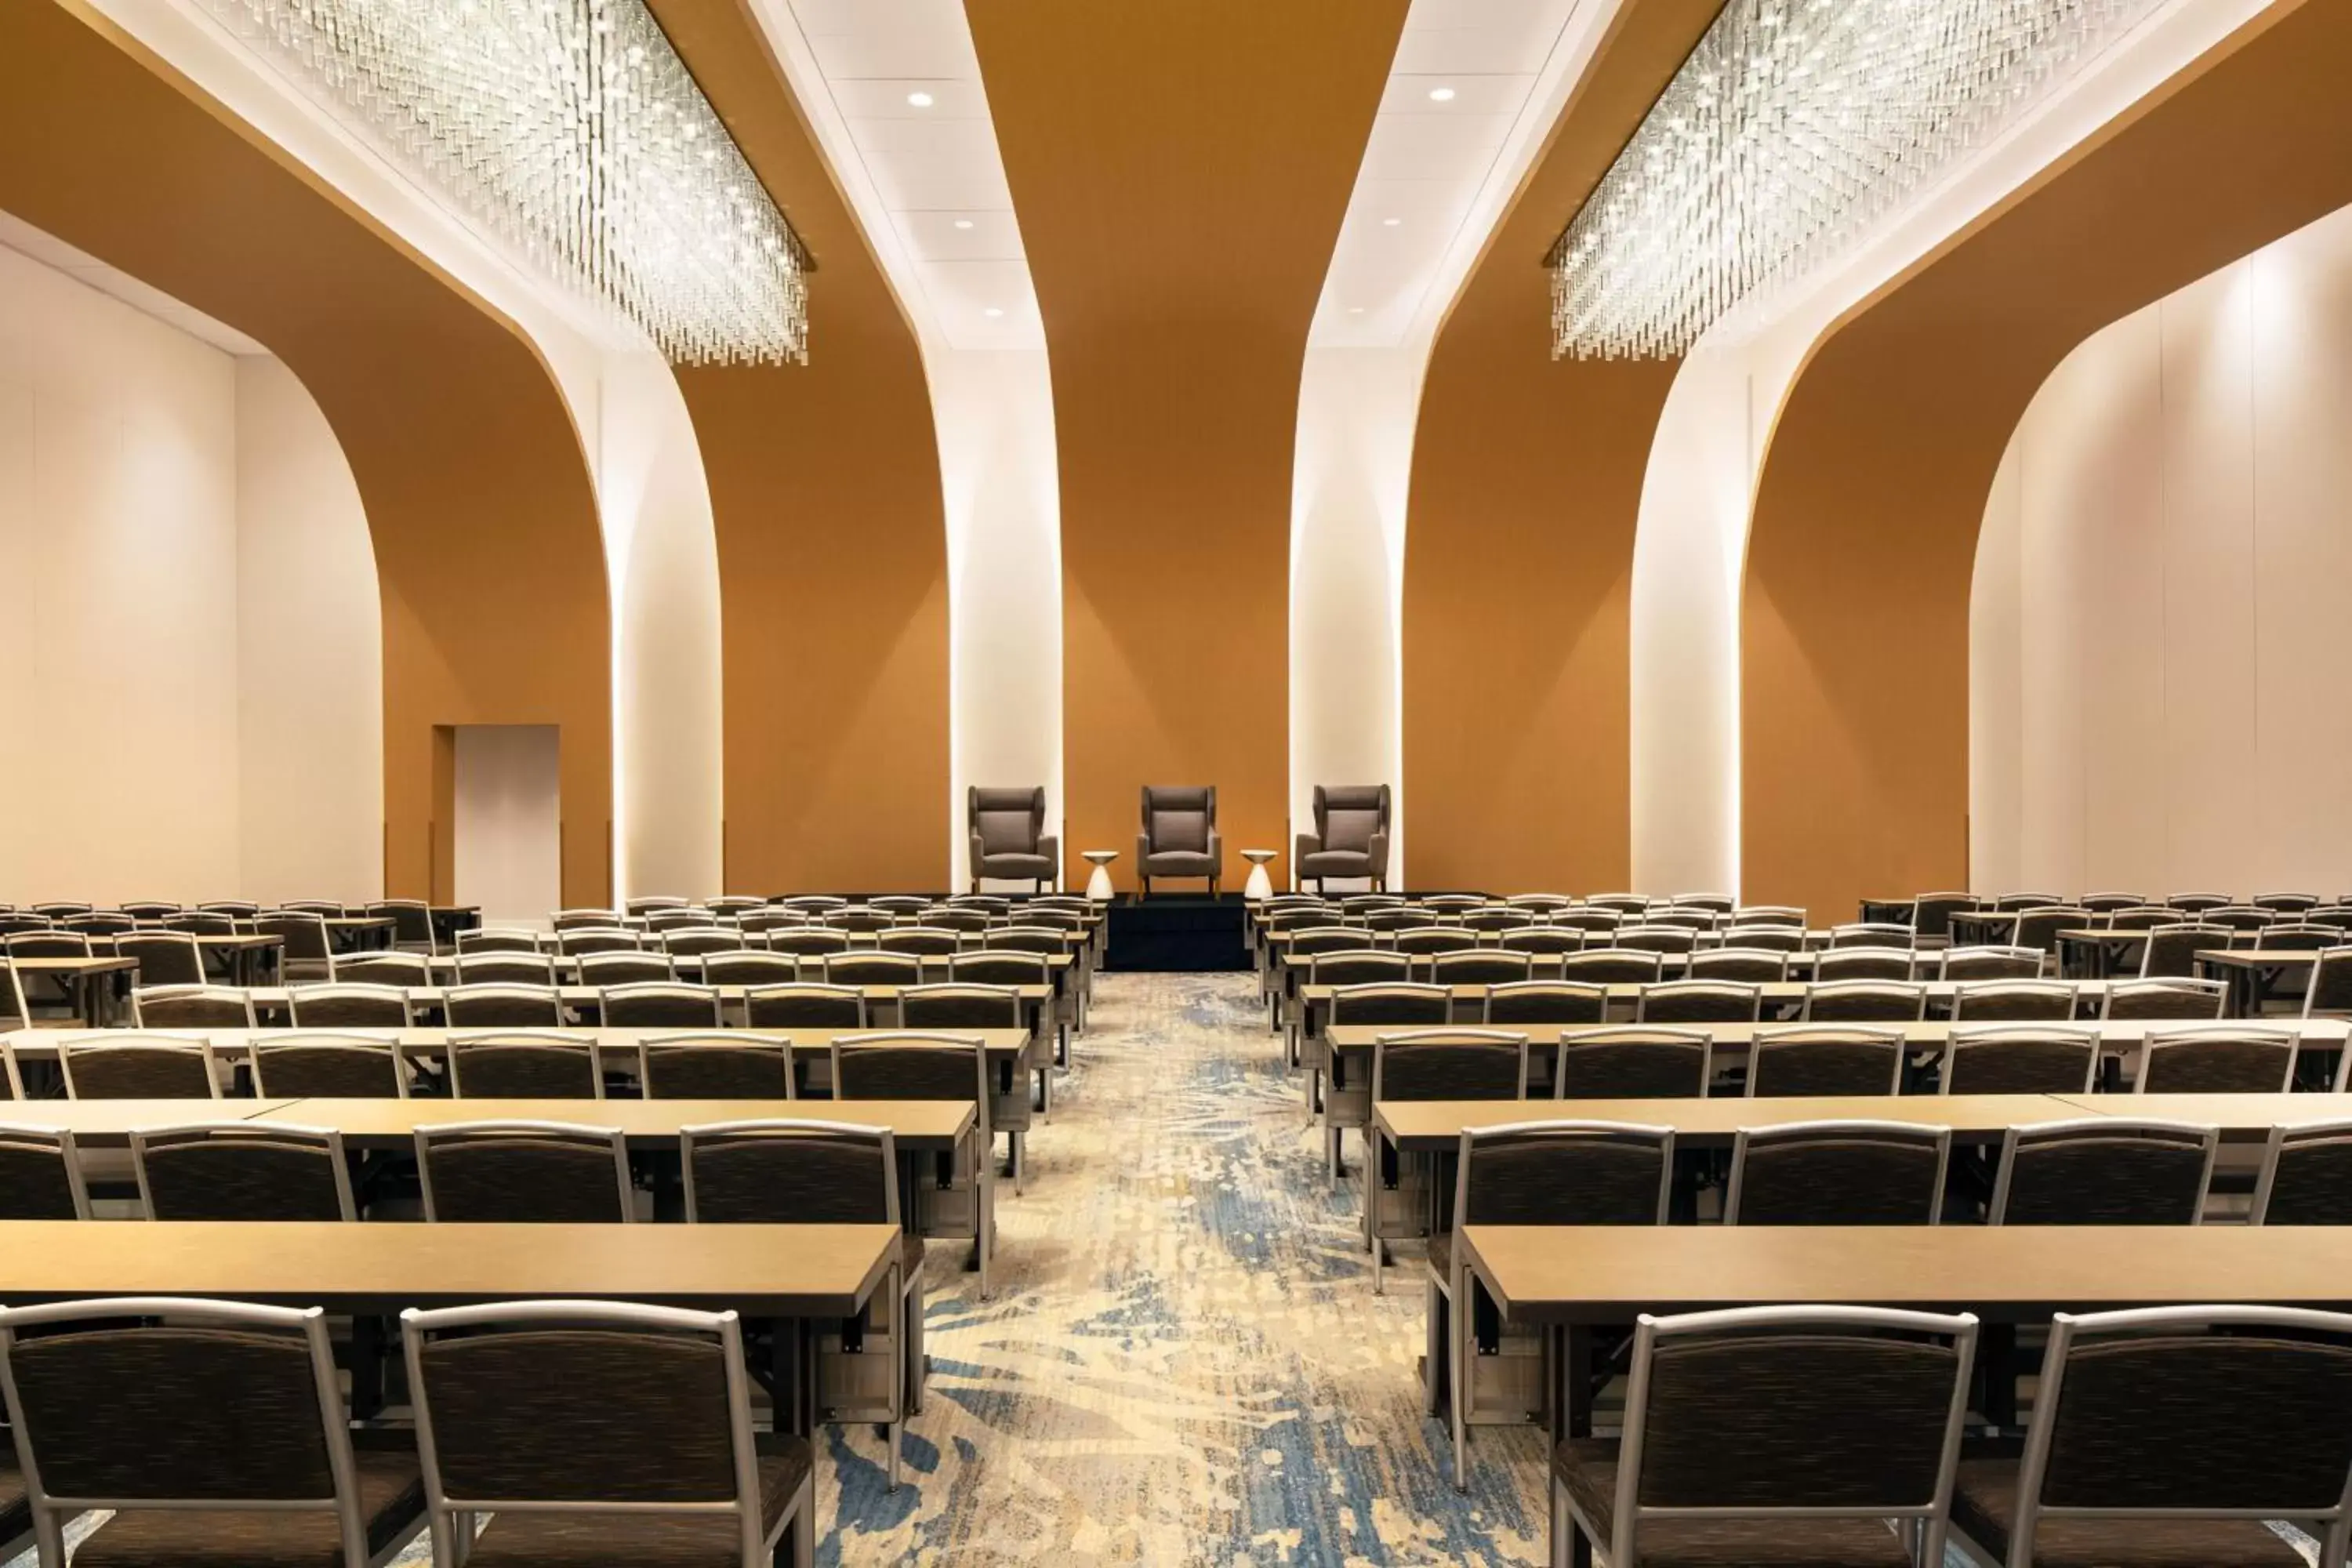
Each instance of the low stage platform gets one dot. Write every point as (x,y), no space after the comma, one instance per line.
(1172,932)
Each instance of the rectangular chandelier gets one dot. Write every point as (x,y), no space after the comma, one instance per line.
(1794,125)
(573,132)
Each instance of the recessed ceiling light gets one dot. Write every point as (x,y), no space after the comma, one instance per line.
(1390,222)
(963,223)
(994,310)
(1440,95)
(919,100)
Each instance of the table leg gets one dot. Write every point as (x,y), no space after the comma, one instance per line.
(1997,1354)
(367,1367)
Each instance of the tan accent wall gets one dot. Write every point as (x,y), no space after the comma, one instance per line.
(1856,616)
(1179,169)
(824,489)
(478,495)
(1527,479)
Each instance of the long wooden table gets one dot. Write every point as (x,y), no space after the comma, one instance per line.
(2116,1037)
(785,1274)
(926,1125)
(1435,1126)
(2252,972)
(99,986)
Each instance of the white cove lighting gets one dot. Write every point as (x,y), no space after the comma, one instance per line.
(571,131)
(1791,128)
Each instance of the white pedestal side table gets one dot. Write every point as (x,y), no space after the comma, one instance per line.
(1098,886)
(1259,885)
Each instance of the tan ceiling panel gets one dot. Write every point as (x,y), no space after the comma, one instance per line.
(1527,480)
(1856,622)
(478,495)
(824,488)
(1179,169)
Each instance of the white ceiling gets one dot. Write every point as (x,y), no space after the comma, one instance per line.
(50,251)
(1426,191)
(935,171)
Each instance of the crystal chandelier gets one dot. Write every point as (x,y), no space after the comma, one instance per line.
(571,131)
(1794,125)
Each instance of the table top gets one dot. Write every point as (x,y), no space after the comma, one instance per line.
(242,942)
(2002,1273)
(2243,1118)
(1771,992)
(277,996)
(760,1271)
(111,1121)
(96,964)
(1931,1033)
(644,1123)
(1437,1124)
(2258,957)
(42,1044)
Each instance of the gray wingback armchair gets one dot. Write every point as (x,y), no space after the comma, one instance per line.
(1350,836)
(1009,841)
(1180,836)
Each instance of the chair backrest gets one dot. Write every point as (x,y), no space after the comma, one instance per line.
(1782,940)
(998,966)
(2013,1001)
(1541,938)
(580,942)
(243,1170)
(820,903)
(1748,965)
(2039,928)
(1865,1002)
(1450,1064)
(2020,1059)
(524,1067)
(1806,1061)
(861,918)
(2175,998)
(2330,988)
(1622,903)
(1931,913)
(924,942)
(412,923)
(202,924)
(602,970)
(1838,1173)
(1792,1413)
(1592,922)
(748,967)
(2017,903)
(1402,1002)
(960,1006)
(1047,941)
(2173,948)
(165,957)
(867,967)
(1564,1172)
(2103,1170)
(401,969)
(897,903)
(660,1005)
(1991,963)
(305,935)
(101,924)
(162,908)
(2300,937)
(2225,1059)
(2142,917)
(495,939)
(524,1173)
(716,1064)
(586,920)
(505,1392)
(1699,1001)
(1680,918)
(40,1174)
(2144,1415)
(1862,963)
(809,942)
(1480,966)
(790,1172)
(1658,939)
(1872,934)
(1005,821)
(911,1065)
(2290,903)
(1426,940)
(1545,1002)
(947,917)
(1769,914)
(245,1403)
(654,903)
(192,1007)
(1547,902)
(736,903)
(129,1066)
(804,1005)
(502,1007)
(48,944)
(1356,966)
(1634,1064)
(2306,1177)
(1713,903)
(1360,903)
(693,941)
(504,969)
(339,1006)
(1499,919)
(304,1066)
(1179,817)
(2240,918)
(2109,902)
(1612,967)
(1348,816)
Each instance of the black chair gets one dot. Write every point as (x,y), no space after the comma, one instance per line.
(192,1007)
(1931,913)
(404,970)
(2172,950)
(1699,1001)
(501,969)
(1812,1060)
(1838,1173)
(502,1007)
(1529,1173)
(411,925)
(1774,1435)
(1347,1100)
(40,1178)
(1865,1002)
(2103,1171)
(2168,1436)
(327,1066)
(699,941)
(2020,1059)
(2306,1177)
(1743,965)
(905,1065)
(601,1435)
(1662,939)
(1546,1002)
(524,1173)
(1991,963)
(659,1006)
(720,1064)
(2222,1060)
(867,967)
(2012,1001)
(1766,939)
(1633,1064)
(491,939)
(307,954)
(1872,934)
(583,941)
(1612,967)
(998,966)
(1479,966)
(805,1006)
(1432,1064)
(128,1065)
(604,970)
(524,1067)
(243,1170)
(338,1006)
(2172,999)
(165,958)
(817,1173)
(1850,963)
(2330,990)
(242,1452)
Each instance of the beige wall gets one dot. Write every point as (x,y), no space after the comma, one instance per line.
(310,640)
(2156,628)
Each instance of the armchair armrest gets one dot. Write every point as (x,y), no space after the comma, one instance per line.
(1050,847)
(1379,853)
(1216,848)
(1309,844)
(1143,849)
(979,855)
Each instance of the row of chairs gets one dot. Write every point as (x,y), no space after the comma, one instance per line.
(211,1431)
(839,1003)
(1364,994)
